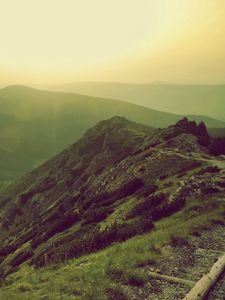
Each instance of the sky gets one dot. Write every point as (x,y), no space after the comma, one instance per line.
(137,41)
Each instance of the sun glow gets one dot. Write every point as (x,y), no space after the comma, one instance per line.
(61,40)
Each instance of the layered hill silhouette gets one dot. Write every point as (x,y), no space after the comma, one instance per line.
(35,124)
(176,98)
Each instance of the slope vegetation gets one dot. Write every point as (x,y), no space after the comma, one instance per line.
(120,181)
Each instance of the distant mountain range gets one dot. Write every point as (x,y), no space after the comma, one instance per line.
(36,124)
(206,100)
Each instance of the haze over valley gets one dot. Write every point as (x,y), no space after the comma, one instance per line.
(208,100)
(36,124)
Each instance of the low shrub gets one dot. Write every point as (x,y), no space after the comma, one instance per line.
(116,292)
(209,190)
(148,190)
(218,222)
(21,257)
(91,239)
(167,209)
(147,206)
(46,231)
(138,279)
(130,188)
(96,215)
(182,174)
(209,169)
(108,198)
(177,241)
(217,146)
(162,177)
(25,197)
(156,207)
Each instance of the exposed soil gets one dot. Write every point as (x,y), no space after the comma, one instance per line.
(191,262)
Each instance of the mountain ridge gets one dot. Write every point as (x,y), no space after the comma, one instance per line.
(22,88)
(159,96)
(116,183)
(38,124)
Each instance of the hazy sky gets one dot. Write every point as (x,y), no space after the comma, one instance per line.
(57,41)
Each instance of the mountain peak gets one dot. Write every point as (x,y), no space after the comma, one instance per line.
(116,136)
(191,127)
(117,123)
(21,94)
(114,120)
(16,87)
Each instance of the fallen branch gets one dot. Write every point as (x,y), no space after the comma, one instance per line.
(203,286)
(171,279)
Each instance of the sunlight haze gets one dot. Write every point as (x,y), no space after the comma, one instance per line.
(59,41)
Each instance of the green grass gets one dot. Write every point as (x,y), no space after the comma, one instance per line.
(97,275)
(119,215)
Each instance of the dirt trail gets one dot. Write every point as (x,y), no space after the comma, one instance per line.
(189,263)
(217,162)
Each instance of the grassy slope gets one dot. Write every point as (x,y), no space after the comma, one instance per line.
(103,274)
(91,277)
